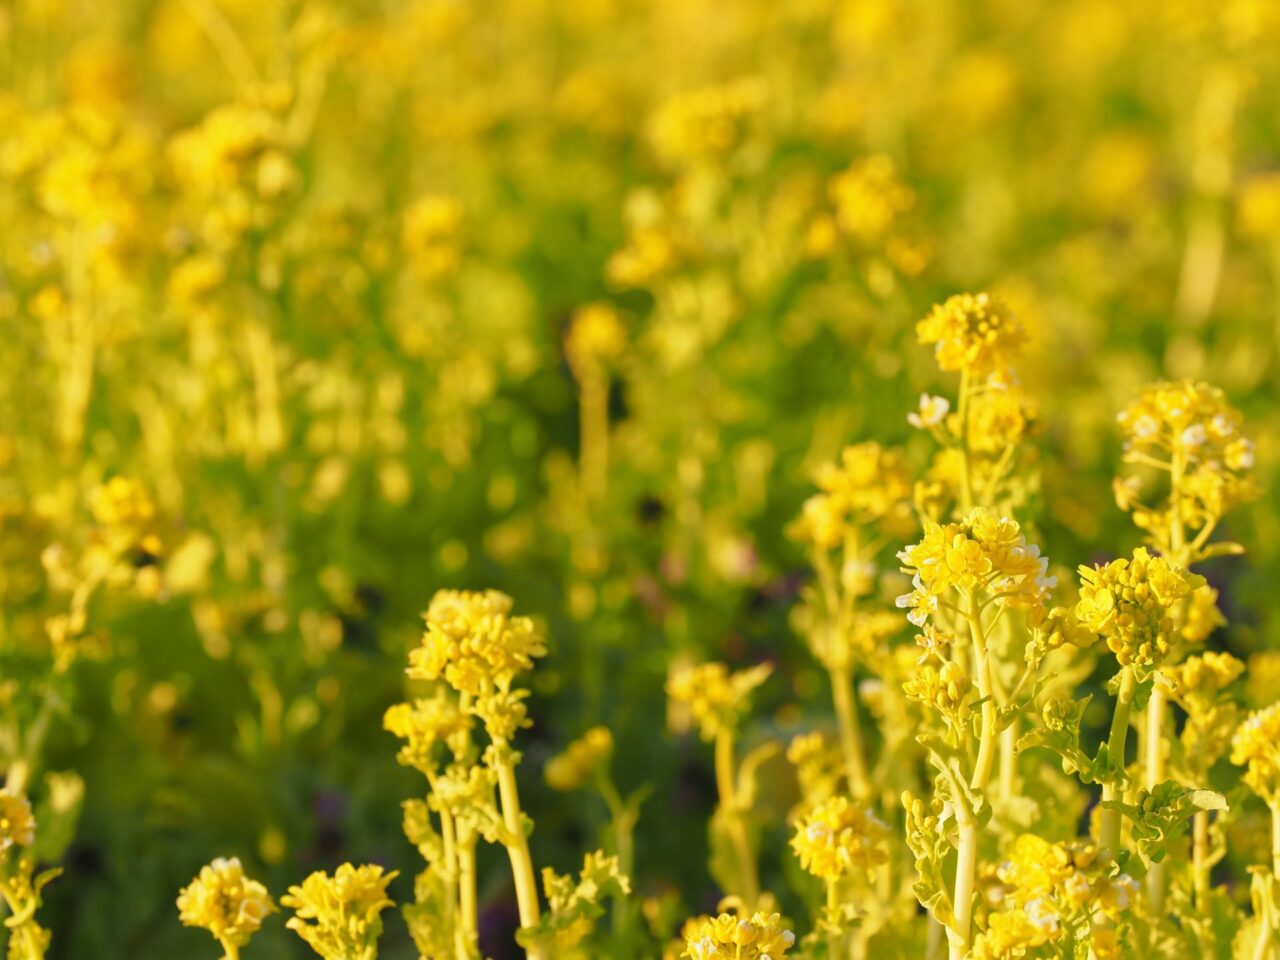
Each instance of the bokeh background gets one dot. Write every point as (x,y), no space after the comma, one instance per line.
(304,273)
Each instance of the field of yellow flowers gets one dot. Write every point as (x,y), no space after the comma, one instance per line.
(640,479)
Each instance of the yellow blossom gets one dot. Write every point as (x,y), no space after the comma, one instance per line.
(1129,602)
(473,642)
(580,761)
(974,332)
(338,915)
(717,699)
(728,937)
(839,838)
(226,902)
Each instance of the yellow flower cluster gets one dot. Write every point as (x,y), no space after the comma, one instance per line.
(595,337)
(580,761)
(474,643)
(973,332)
(1189,430)
(226,902)
(424,723)
(1129,603)
(838,838)
(1256,746)
(727,937)
(17,825)
(982,554)
(870,484)
(429,235)
(1044,890)
(869,196)
(705,124)
(339,915)
(717,699)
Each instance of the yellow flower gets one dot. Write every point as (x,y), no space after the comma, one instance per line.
(429,234)
(985,552)
(868,198)
(974,332)
(473,642)
(17,825)
(704,124)
(717,699)
(596,335)
(338,916)
(727,937)
(870,484)
(933,410)
(222,900)
(581,760)
(1257,746)
(423,724)
(1129,602)
(838,838)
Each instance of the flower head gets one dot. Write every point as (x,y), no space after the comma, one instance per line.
(222,900)
(473,642)
(17,825)
(717,699)
(870,484)
(1129,603)
(984,552)
(338,916)
(760,937)
(1256,745)
(581,760)
(970,331)
(424,723)
(838,838)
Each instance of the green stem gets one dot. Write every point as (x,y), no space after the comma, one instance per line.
(1153,750)
(1109,828)
(987,738)
(966,473)
(748,879)
(851,745)
(958,934)
(518,845)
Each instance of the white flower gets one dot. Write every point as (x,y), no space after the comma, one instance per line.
(931,413)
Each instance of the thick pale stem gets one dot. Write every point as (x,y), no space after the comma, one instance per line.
(1275,838)
(518,847)
(467,895)
(1153,755)
(835,939)
(966,868)
(987,736)
(725,778)
(1109,827)
(851,746)
(1200,859)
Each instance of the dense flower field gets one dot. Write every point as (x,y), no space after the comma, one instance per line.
(640,479)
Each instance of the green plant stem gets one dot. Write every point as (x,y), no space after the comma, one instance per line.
(966,867)
(987,738)
(1109,826)
(1200,859)
(467,895)
(851,746)
(1153,750)
(518,846)
(748,880)
(835,940)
